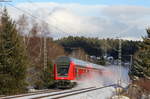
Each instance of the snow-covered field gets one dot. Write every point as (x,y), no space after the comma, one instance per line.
(97,94)
(112,75)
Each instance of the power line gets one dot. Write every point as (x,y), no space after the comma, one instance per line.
(34,4)
(42,20)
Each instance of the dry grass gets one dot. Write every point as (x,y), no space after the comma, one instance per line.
(138,88)
(144,84)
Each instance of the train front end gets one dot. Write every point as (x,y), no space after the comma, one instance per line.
(64,74)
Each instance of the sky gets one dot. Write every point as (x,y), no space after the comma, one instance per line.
(94,2)
(126,19)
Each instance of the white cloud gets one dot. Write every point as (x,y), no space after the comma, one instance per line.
(90,20)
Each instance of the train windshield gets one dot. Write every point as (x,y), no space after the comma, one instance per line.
(63,64)
(62,70)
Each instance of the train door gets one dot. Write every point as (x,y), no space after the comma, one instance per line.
(77,73)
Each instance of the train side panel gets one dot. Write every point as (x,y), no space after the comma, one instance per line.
(82,72)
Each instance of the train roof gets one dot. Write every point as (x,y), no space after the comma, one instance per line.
(66,59)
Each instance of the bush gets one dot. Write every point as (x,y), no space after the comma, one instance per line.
(46,78)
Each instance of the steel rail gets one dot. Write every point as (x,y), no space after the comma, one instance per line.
(55,94)
(81,92)
(28,94)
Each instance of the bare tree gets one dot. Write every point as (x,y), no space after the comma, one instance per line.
(22,24)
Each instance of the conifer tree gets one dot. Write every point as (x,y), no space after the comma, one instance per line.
(141,65)
(13,59)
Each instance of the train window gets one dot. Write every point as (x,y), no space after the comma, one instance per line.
(62,70)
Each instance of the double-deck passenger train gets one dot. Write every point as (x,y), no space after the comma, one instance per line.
(68,70)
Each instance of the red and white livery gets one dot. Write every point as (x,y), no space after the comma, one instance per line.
(72,69)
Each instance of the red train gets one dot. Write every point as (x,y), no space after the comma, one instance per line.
(68,70)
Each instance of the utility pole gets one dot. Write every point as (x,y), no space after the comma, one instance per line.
(105,48)
(131,61)
(119,53)
(119,64)
(45,53)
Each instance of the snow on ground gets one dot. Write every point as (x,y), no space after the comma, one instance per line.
(111,75)
(97,94)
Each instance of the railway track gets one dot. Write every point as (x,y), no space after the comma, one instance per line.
(38,95)
(49,94)
(63,93)
(28,94)
(76,93)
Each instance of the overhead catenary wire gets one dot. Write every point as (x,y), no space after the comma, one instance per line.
(36,17)
(66,26)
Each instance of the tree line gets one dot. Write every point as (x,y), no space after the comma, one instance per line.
(100,47)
